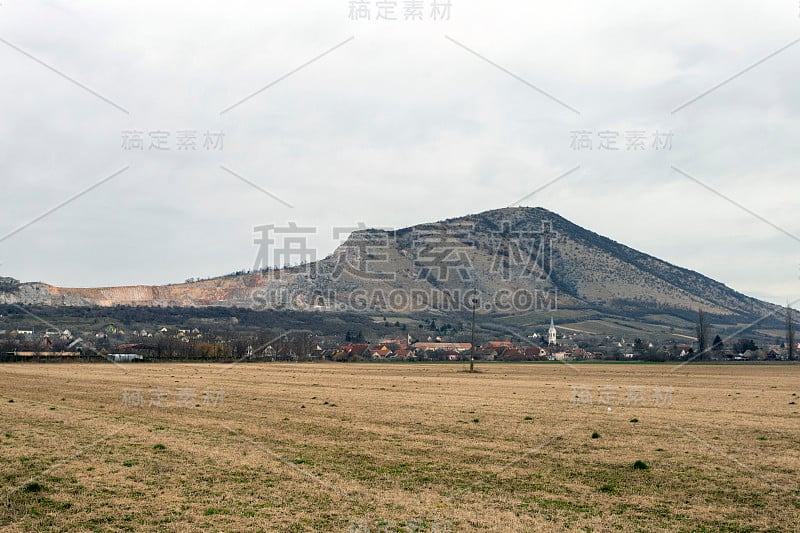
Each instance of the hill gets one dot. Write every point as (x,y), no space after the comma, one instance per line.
(516,262)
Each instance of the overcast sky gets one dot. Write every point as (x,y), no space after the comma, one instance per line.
(335,121)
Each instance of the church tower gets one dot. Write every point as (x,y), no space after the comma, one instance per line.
(551,334)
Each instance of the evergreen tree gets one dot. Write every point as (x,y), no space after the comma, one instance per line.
(702,331)
(790,341)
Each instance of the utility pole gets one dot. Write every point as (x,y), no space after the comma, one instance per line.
(472,350)
(790,341)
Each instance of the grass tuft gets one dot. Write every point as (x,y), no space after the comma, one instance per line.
(33,486)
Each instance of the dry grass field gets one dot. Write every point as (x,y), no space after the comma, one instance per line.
(343,447)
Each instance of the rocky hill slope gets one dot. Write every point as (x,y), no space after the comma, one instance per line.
(510,260)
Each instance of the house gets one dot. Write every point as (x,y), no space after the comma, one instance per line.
(355,349)
(499,344)
(400,342)
(510,354)
(22,355)
(403,353)
(129,346)
(774,352)
(485,354)
(379,353)
(125,357)
(535,351)
(580,353)
(456,346)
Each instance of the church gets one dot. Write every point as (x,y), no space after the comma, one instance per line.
(552,334)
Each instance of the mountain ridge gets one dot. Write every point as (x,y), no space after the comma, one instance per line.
(526,251)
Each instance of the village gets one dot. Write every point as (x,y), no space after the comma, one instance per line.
(113,342)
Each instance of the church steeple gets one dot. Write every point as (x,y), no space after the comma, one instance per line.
(551,333)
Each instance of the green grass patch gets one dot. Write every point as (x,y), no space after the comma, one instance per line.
(33,486)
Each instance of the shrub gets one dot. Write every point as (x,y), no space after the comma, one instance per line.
(33,486)
(595,435)
(640,465)
(608,488)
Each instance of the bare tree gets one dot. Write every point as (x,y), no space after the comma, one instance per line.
(702,331)
(790,342)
